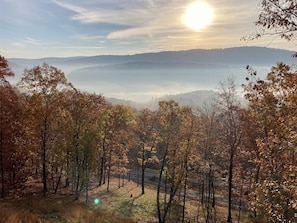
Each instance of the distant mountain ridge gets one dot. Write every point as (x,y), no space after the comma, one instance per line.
(141,77)
(233,55)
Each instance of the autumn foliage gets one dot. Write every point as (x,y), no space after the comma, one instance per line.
(12,155)
(55,137)
(273,110)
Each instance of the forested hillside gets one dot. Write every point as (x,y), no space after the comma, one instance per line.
(144,77)
(192,99)
(232,161)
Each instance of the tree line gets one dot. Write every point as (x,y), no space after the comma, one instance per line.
(52,133)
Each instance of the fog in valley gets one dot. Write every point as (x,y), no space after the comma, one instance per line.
(146,77)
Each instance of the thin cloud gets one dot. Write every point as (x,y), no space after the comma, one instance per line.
(151,18)
(32,41)
(18,44)
(128,33)
(27,41)
(137,18)
(97,14)
(88,37)
(146,18)
(70,7)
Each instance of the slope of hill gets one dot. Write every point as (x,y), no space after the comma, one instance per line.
(143,77)
(192,99)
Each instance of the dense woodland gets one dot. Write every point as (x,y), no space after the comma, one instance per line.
(54,134)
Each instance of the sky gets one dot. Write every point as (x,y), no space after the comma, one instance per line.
(64,28)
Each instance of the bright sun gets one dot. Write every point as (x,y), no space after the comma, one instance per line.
(198,15)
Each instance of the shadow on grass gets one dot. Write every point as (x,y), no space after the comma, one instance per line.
(128,189)
(127,207)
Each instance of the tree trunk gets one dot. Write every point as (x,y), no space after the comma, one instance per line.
(208,206)
(87,184)
(240,203)
(123,180)
(185,193)
(67,183)
(44,173)
(173,189)
(108,171)
(213,200)
(142,176)
(101,171)
(77,189)
(59,180)
(119,176)
(230,178)
(2,165)
(159,189)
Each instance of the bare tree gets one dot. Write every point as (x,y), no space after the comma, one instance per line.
(230,130)
(145,132)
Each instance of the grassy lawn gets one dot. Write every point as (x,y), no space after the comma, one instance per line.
(125,204)
(126,201)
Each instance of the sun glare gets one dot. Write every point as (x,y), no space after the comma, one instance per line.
(198,15)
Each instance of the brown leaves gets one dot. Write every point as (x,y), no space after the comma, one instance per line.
(280,16)
(5,71)
(12,154)
(273,107)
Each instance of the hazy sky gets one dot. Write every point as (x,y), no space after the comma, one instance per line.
(46,28)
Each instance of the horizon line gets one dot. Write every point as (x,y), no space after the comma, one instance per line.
(165,51)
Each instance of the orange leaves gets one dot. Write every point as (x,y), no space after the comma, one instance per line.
(273,107)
